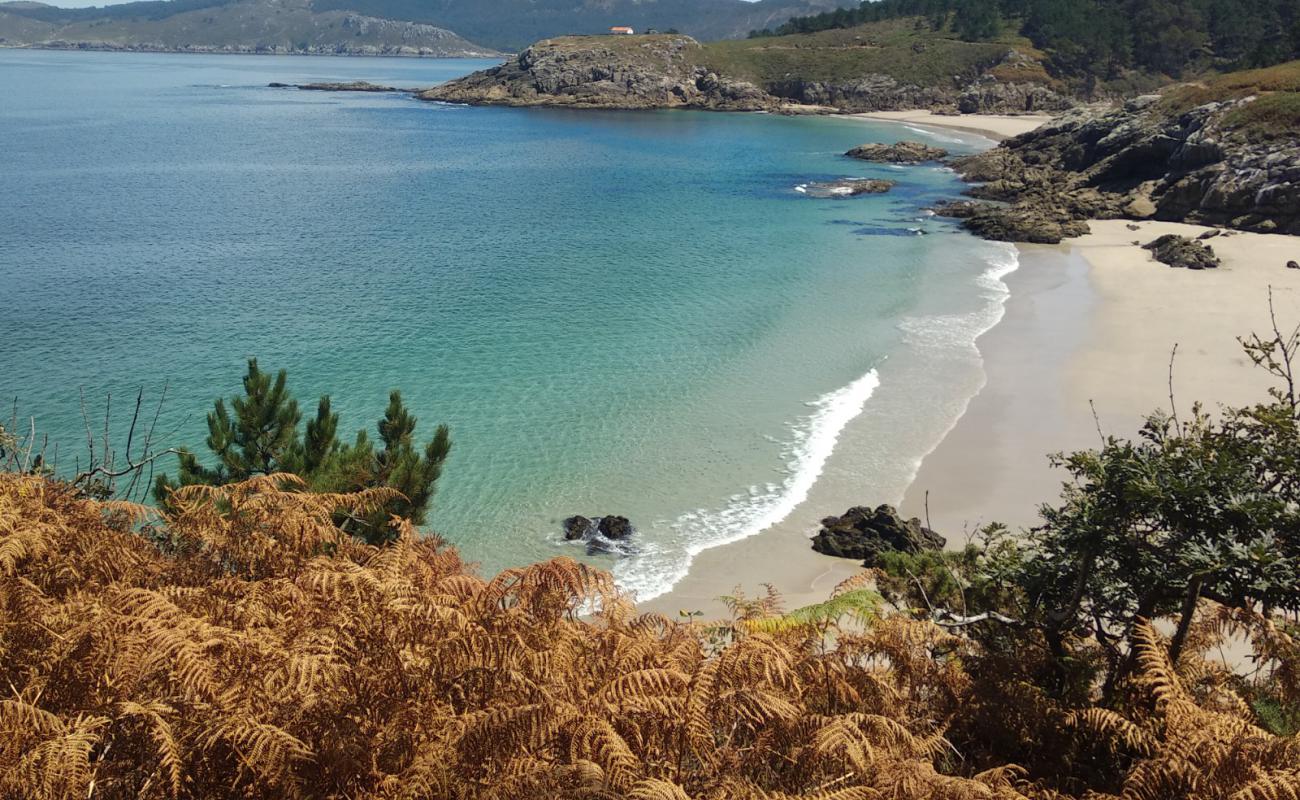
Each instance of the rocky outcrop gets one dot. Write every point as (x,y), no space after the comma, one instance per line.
(983,90)
(609,534)
(848,187)
(609,526)
(1150,159)
(897,153)
(1179,251)
(865,534)
(606,72)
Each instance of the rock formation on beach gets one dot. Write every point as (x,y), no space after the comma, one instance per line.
(1226,153)
(865,534)
(1179,251)
(641,72)
(897,153)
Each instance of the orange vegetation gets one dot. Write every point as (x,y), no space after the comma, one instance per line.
(243,647)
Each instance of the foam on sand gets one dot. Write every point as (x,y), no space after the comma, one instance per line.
(745,515)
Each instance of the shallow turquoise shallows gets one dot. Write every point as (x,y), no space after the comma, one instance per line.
(629,313)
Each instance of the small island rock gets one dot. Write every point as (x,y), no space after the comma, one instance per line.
(865,533)
(897,153)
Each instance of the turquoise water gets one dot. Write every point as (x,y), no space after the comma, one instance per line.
(632,313)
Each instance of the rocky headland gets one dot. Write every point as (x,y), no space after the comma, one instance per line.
(1224,154)
(676,71)
(641,72)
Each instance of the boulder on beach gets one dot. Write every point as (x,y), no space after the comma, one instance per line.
(1179,251)
(897,153)
(865,534)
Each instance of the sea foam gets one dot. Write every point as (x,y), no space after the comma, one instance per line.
(760,508)
(660,566)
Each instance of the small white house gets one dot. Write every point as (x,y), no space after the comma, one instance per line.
(620,30)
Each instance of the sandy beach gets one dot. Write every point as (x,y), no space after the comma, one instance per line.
(1089,323)
(992,126)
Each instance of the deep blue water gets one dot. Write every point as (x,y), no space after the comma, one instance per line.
(631,313)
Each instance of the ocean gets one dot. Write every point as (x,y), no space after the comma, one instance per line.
(633,313)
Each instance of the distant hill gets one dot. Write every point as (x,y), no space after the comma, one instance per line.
(515,24)
(242,26)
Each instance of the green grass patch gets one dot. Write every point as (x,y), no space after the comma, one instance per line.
(1270,116)
(1232,86)
(905,49)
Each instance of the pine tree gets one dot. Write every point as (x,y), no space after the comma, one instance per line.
(262,438)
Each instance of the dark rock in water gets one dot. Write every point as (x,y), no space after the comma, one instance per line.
(607,535)
(848,187)
(350,86)
(612,527)
(1292,265)
(578,527)
(898,153)
(865,533)
(1179,251)
(957,209)
(277,85)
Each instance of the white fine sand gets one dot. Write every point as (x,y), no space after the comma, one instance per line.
(1094,319)
(991,126)
(1097,319)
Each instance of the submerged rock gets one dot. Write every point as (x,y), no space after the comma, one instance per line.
(848,187)
(1179,251)
(865,533)
(898,153)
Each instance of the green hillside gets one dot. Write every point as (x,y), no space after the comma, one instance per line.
(903,49)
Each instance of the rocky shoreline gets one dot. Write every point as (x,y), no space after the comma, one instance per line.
(1149,159)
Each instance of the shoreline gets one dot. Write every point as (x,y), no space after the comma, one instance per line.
(996,127)
(1091,326)
(1088,324)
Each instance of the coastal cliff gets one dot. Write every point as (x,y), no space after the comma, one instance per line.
(885,67)
(1223,153)
(658,71)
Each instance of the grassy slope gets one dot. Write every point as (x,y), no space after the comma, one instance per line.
(1274,114)
(902,49)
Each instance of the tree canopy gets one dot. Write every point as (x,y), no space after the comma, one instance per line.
(1101,38)
(262,437)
